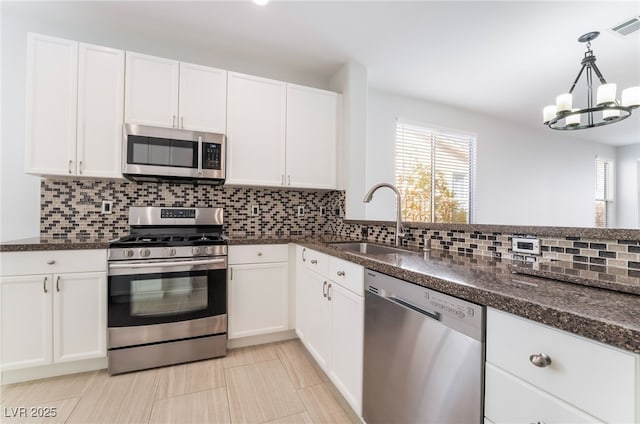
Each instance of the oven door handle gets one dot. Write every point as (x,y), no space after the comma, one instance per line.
(167,264)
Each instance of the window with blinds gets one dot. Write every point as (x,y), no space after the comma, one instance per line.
(604,193)
(434,174)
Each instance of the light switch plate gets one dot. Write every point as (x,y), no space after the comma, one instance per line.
(300,210)
(107,207)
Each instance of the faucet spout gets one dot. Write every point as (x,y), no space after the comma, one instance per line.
(367,198)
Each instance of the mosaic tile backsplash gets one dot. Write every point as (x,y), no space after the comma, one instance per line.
(72,209)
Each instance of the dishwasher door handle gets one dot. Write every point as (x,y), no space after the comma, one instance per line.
(432,315)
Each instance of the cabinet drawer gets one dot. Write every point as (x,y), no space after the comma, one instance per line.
(316,261)
(598,379)
(53,262)
(258,253)
(510,400)
(347,274)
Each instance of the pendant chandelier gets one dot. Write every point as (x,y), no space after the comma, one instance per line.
(607,108)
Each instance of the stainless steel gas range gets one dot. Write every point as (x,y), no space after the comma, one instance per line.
(167,289)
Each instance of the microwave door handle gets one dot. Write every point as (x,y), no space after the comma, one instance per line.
(199,155)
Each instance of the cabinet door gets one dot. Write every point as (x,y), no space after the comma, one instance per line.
(258,299)
(100,111)
(256,131)
(25,321)
(203,98)
(151,90)
(52,84)
(311,137)
(318,312)
(347,336)
(79,316)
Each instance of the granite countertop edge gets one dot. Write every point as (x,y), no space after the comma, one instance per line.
(608,330)
(613,332)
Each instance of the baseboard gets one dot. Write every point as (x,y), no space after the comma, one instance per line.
(17,376)
(261,339)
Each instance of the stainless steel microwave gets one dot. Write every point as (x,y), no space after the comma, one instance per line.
(171,154)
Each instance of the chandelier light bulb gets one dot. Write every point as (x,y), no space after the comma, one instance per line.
(564,102)
(573,120)
(606,94)
(610,114)
(548,113)
(631,97)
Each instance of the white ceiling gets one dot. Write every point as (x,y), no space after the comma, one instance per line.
(505,58)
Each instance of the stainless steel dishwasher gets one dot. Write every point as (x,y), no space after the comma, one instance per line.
(423,355)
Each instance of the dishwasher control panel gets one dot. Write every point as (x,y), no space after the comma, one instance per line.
(451,311)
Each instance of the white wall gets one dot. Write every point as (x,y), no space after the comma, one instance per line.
(351,80)
(627,198)
(20,193)
(524,177)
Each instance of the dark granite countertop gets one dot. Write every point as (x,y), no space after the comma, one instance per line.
(604,315)
(607,316)
(42,243)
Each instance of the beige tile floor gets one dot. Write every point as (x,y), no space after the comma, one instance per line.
(277,383)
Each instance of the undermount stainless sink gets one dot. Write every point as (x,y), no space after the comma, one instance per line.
(369,248)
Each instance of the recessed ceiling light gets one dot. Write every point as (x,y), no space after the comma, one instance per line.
(261,2)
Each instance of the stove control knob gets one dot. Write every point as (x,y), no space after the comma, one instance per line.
(127,253)
(144,252)
(210,250)
(196,250)
(171,251)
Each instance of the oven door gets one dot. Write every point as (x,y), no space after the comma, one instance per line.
(148,293)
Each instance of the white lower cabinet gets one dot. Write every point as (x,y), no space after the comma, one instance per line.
(51,318)
(330,318)
(575,379)
(258,290)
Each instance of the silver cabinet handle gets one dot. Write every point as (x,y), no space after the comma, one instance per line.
(173,121)
(80,167)
(289,179)
(324,289)
(303,258)
(540,360)
(58,284)
(329,293)
(231,273)
(51,262)
(182,122)
(282,179)
(340,273)
(70,163)
(313,261)
(259,253)
(199,155)
(44,285)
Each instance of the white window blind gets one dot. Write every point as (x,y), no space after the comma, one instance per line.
(434,174)
(604,192)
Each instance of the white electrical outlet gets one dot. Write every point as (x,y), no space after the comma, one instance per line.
(107,207)
(300,210)
(255,210)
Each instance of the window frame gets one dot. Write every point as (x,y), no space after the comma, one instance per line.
(436,130)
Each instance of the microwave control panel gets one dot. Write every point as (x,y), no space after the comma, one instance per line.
(211,156)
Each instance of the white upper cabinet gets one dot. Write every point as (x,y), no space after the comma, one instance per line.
(100,111)
(281,134)
(311,137)
(151,93)
(52,90)
(74,108)
(203,98)
(167,93)
(256,131)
